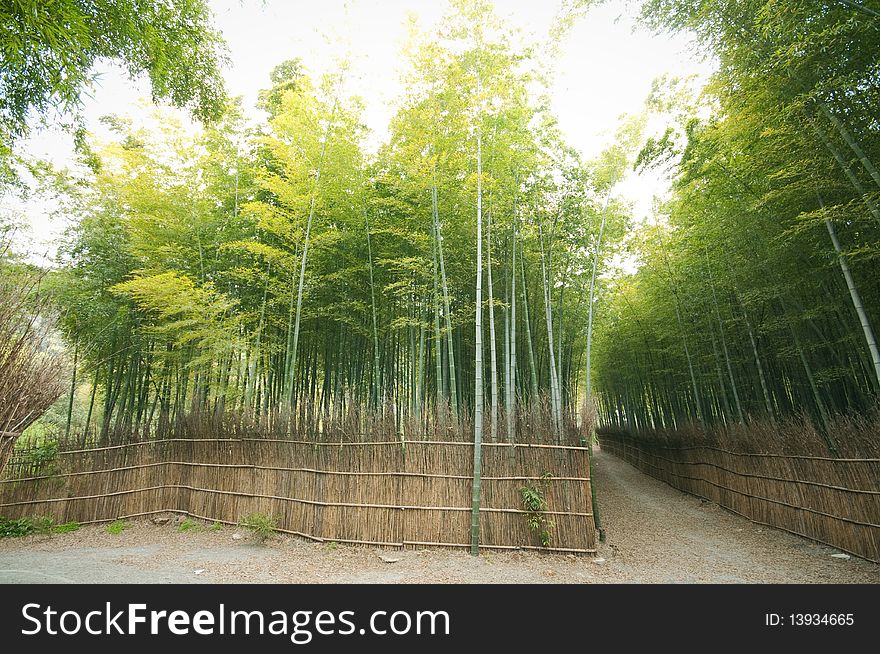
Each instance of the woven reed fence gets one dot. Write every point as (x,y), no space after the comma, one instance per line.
(835,501)
(378,493)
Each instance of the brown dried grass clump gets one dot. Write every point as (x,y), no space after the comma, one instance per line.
(30,375)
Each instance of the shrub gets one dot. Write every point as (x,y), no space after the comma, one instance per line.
(26,526)
(29,370)
(261,525)
(42,524)
(15,528)
(43,455)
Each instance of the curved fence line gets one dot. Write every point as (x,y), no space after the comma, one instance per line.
(845,517)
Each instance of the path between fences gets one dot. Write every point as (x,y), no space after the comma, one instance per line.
(656,534)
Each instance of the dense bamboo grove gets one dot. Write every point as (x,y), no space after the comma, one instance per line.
(280,271)
(757,292)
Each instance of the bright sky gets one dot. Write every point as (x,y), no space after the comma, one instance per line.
(605,68)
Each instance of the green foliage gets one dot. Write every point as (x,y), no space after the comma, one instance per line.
(756,292)
(26,526)
(189,525)
(182,272)
(42,456)
(48,49)
(261,525)
(65,528)
(117,527)
(15,528)
(43,524)
(535,503)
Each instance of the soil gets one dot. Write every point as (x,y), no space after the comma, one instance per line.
(655,534)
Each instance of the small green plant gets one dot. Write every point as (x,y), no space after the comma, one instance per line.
(27,526)
(217,526)
(43,458)
(188,525)
(535,504)
(45,453)
(332,545)
(42,525)
(117,527)
(261,525)
(14,528)
(65,528)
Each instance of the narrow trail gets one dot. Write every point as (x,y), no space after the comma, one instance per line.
(657,534)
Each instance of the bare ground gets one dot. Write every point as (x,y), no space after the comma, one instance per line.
(656,534)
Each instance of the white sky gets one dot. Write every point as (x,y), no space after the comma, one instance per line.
(605,69)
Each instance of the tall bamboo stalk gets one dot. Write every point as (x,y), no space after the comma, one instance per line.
(453,388)
(548,317)
(596,251)
(864,321)
(511,380)
(493,357)
(302,270)
(478,357)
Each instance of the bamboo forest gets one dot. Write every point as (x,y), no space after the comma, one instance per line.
(466,276)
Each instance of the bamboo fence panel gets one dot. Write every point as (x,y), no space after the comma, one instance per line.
(832,501)
(388,493)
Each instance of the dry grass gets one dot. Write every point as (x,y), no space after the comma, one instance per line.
(30,376)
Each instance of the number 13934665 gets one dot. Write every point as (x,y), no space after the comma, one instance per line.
(809,619)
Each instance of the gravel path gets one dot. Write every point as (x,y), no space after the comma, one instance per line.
(656,534)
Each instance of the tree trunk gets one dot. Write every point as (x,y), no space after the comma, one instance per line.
(305,254)
(438,342)
(376,399)
(851,142)
(511,382)
(723,338)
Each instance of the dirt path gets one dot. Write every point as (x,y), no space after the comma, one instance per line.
(658,534)
(655,534)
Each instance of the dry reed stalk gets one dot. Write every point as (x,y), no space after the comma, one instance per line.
(31,377)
